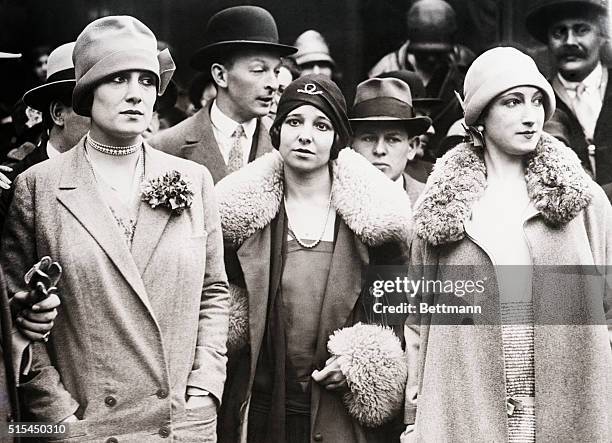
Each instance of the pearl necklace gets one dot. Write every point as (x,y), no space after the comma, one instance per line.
(111,150)
(297,239)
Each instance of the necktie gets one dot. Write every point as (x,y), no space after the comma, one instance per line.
(236,157)
(587,108)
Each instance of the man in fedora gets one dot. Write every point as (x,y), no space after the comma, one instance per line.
(64,128)
(16,335)
(575,32)
(241,54)
(386,129)
(424,106)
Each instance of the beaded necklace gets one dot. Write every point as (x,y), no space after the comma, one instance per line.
(294,235)
(111,150)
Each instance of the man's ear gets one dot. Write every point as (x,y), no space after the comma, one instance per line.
(57,110)
(219,75)
(415,143)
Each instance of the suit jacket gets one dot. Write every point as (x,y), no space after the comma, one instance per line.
(565,126)
(135,328)
(194,139)
(413,188)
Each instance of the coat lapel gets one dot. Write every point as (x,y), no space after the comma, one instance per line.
(151,222)
(79,193)
(257,279)
(201,145)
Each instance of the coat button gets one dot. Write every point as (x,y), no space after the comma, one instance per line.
(164,432)
(162,393)
(112,440)
(318,437)
(110,401)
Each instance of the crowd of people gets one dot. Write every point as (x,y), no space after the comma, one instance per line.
(207,274)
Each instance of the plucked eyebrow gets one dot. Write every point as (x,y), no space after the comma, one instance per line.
(513,95)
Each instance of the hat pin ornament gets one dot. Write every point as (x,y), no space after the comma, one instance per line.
(310,89)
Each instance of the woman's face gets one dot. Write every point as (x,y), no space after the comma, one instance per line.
(306,139)
(514,121)
(123,106)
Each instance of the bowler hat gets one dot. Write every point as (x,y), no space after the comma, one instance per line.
(60,79)
(417,89)
(239,27)
(431,26)
(387,99)
(544,12)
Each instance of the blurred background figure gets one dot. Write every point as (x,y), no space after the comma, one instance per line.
(313,56)
(287,72)
(431,52)
(61,127)
(38,60)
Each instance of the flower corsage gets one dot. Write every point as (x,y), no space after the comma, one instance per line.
(170,191)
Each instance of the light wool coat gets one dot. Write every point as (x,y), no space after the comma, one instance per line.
(457,372)
(135,328)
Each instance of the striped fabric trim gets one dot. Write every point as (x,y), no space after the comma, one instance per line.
(517,339)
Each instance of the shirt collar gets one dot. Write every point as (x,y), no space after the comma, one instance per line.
(399,182)
(593,80)
(227,126)
(51,151)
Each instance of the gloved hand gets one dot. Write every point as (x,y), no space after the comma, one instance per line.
(35,310)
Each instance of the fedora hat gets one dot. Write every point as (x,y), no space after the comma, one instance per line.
(387,99)
(60,79)
(544,12)
(417,89)
(239,27)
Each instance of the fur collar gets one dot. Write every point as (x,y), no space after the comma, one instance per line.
(373,207)
(556,184)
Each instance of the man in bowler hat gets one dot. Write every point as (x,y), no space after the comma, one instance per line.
(386,129)
(241,54)
(63,127)
(575,32)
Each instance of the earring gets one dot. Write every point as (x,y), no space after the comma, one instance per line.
(480,128)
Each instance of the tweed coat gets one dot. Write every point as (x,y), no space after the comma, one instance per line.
(373,212)
(456,387)
(194,139)
(135,328)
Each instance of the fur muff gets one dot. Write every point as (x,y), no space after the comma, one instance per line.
(375,372)
(556,183)
(372,206)
(238,335)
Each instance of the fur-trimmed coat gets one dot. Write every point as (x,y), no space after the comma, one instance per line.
(373,213)
(457,372)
